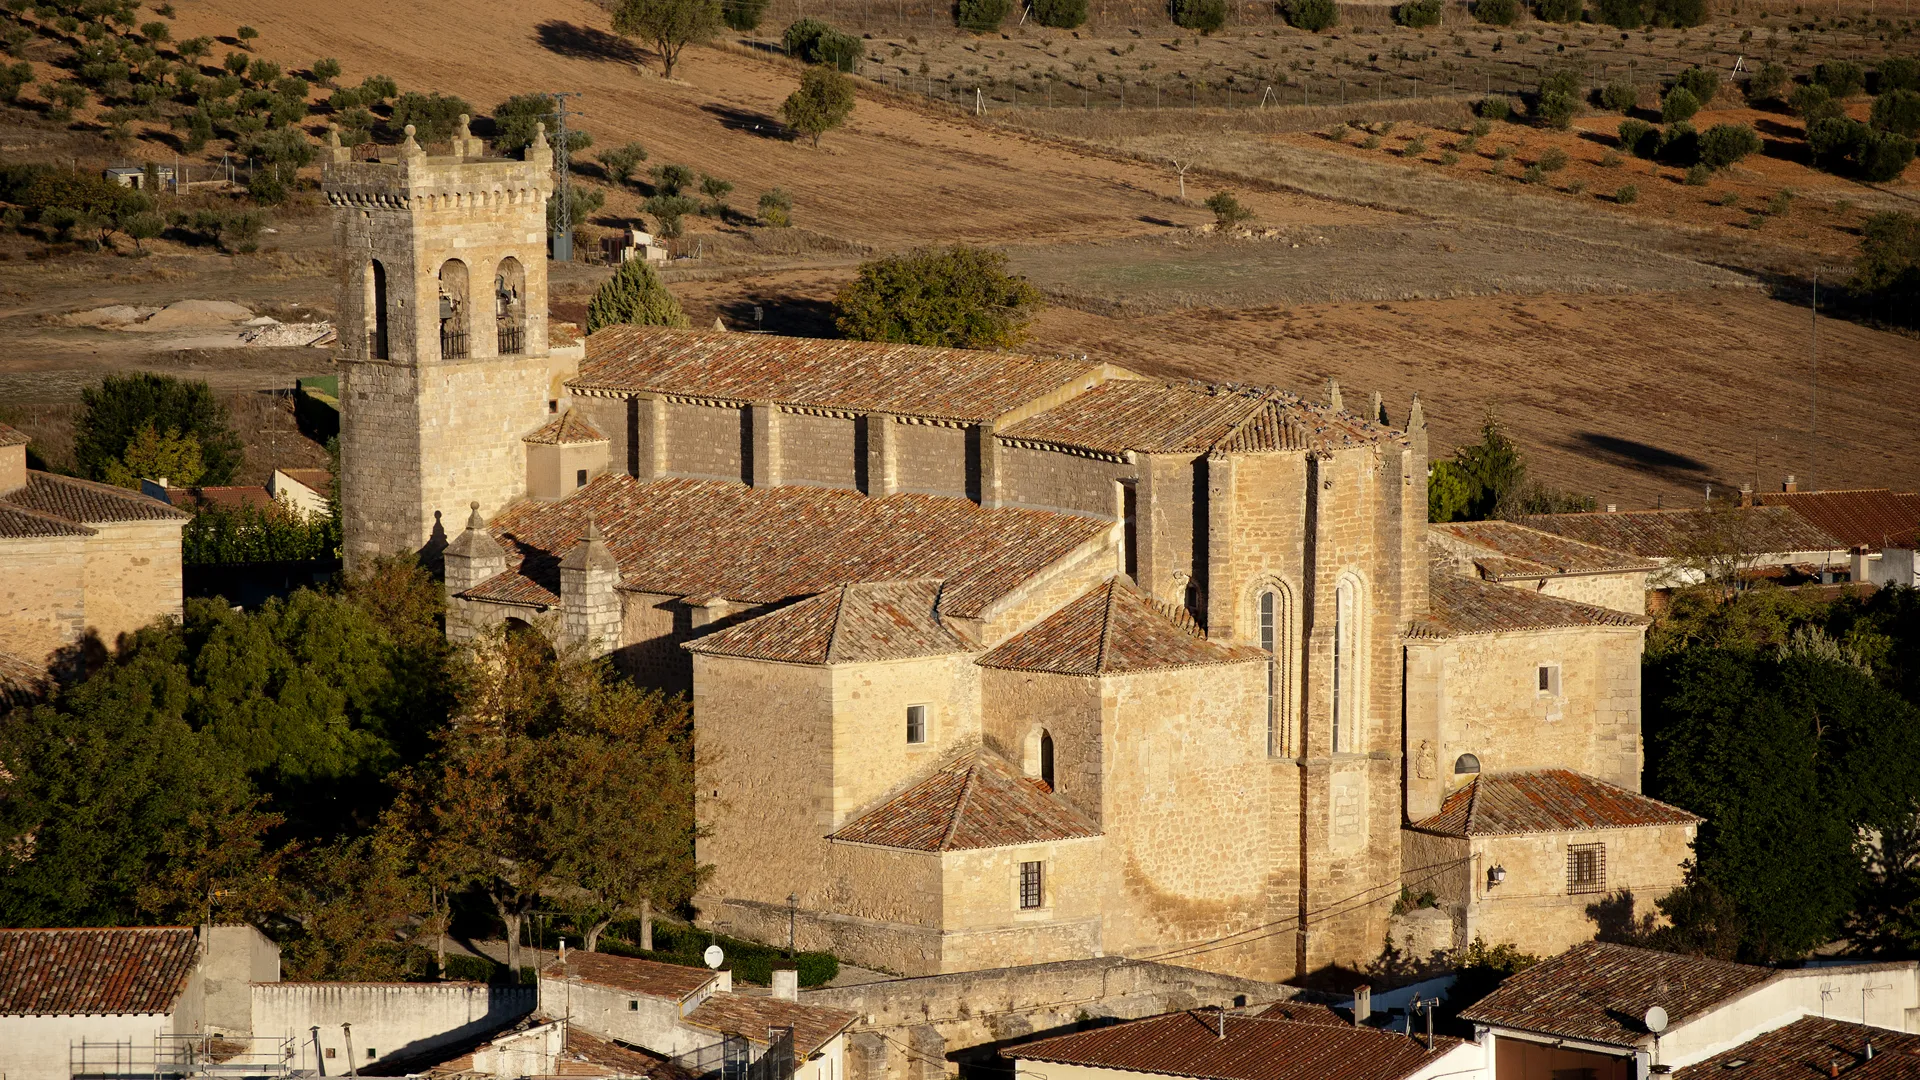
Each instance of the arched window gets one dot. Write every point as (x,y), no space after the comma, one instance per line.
(1039,756)
(376,311)
(510,306)
(1270,641)
(1046,759)
(453,310)
(1347,698)
(1465,765)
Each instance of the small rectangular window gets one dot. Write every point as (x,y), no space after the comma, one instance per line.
(330,1051)
(916,724)
(371,1053)
(1550,679)
(633,1005)
(580,478)
(1033,892)
(1586,868)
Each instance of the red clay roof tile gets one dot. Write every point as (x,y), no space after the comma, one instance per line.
(567,428)
(975,800)
(853,624)
(1460,606)
(1866,517)
(87,503)
(1113,628)
(1255,1048)
(1546,801)
(1599,992)
(1680,534)
(12,436)
(647,978)
(1158,417)
(739,1014)
(1521,551)
(95,971)
(1808,1048)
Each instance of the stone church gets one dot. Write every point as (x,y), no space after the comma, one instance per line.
(1000,659)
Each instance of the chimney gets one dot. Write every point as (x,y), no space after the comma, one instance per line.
(1792,484)
(1746,496)
(786,984)
(589,606)
(1222,1017)
(725,983)
(1362,1005)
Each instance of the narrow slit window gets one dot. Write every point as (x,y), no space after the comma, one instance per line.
(580,478)
(1033,892)
(916,724)
(1549,679)
(1268,641)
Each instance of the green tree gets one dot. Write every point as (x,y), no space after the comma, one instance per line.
(814,42)
(1702,83)
(1898,111)
(1679,13)
(716,190)
(743,15)
(221,536)
(620,161)
(118,409)
(1227,211)
(246,35)
(980,16)
(325,70)
(1060,14)
(1679,105)
(354,910)
(1557,101)
(670,212)
(958,297)
(433,116)
(1559,11)
(1620,97)
(1313,16)
(1724,144)
(158,455)
(1898,73)
(1840,78)
(1418,14)
(668,25)
(1492,470)
(142,227)
(516,119)
(776,207)
(672,179)
(634,295)
(1497,12)
(1768,83)
(1621,14)
(1449,493)
(1887,270)
(823,102)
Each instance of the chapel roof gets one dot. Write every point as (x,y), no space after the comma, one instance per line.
(1461,606)
(853,376)
(1520,551)
(568,428)
(1598,992)
(73,504)
(856,623)
(94,972)
(1863,517)
(679,537)
(1113,628)
(1155,416)
(973,800)
(1254,1048)
(740,1014)
(1810,1047)
(648,978)
(1545,801)
(1679,534)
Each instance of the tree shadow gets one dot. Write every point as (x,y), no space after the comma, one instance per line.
(749,121)
(586,43)
(793,317)
(1639,456)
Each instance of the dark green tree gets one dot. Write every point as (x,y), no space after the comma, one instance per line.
(433,116)
(743,15)
(516,119)
(958,297)
(1060,14)
(980,16)
(1206,16)
(823,101)
(814,42)
(668,25)
(116,411)
(1887,271)
(634,295)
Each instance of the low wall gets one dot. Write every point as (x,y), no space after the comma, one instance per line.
(389,1020)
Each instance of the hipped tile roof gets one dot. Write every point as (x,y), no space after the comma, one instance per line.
(647,978)
(93,972)
(1599,992)
(1460,606)
(853,624)
(1865,517)
(20,523)
(13,436)
(1546,801)
(975,800)
(1113,628)
(738,1014)
(1158,417)
(1680,534)
(1256,1048)
(1809,1048)
(1519,551)
(853,376)
(77,502)
(767,545)
(567,428)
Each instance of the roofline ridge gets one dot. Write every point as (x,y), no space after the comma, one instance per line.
(1473,805)
(833,632)
(960,804)
(1106,625)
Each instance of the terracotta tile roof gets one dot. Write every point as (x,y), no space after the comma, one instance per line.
(975,800)
(21,681)
(20,523)
(1520,551)
(1113,628)
(1152,416)
(85,502)
(222,497)
(856,376)
(12,436)
(95,972)
(741,1014)
(647,978)
(589,1055)
(1546,801)
(1189,1044)
(317,479)
(569,427)
(1599,992)
(1808,1048)
(766,545)
(1460,606)
(853,624)
(1307,1013)
(1677,534)
(1866,517)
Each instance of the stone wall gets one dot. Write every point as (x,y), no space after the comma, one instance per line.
(822,451)
(933,459)
(1048,591)
(1052,480)
(985,924)
(1617,592)
(133,575)
(555,471)
(870,752)
(1016,706)
(645,1020)
(388,1019)
(1533,907)
(44,606)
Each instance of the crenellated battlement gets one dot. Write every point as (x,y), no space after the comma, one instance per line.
(405,177)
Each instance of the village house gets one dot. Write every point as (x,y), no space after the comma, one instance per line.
(1880,528)
(1739,544)
(996,659)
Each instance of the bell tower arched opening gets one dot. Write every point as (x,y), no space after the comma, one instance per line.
(454,310)
(510,306)
(376,310)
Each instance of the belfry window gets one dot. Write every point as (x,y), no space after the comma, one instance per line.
(376,311)
(453,310)
(510,307)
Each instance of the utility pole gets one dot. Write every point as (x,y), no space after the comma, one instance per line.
(563,157)
(1813,343)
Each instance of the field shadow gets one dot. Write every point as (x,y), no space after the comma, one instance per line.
(1160,221)
(1778,129)
(1639,456)
(782,315)
(586,43)
(749,121)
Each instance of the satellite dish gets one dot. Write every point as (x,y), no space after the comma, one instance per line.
(1656,1019)
(714,956)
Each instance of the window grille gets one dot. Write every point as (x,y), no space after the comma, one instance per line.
(1586,868)
(1032,890)
(916,723)
(453,343)
(513,339)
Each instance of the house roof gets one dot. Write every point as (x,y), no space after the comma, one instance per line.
(223,497)
(1113,628)
(1863,517)
(647,978)
(852,376)
(1599,992)
(317,479)
(20,523)
(766,545)
(739,1014)
(1305,1012)
(78,502)
(1461,606)
(1153,416)
(13,436)
(975,800)
(1546,801)
(1255,1048)
(1519,551)
(1808,1048)
(856,623)
(1679,534)
(567,428)
(93,972)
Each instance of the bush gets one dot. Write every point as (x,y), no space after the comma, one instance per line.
(1493,108)
(1887,271)
(1840,144)
(743,15)
(814,42)
(620,161)
(1840,78)
(634,296)
(1558,99)
(1679,13)
(776,208)
(1553,160)
(1813,102)
(1680,144)
(823,102)
(957,298)
(1207,16)
(750,961)
(1679,105)
(1768,83)
(1620,97)
(1897,73)
(1227,211)
(1418,13)
(669,211)
(1621,14)
(1703,84)
(981,16)
(1723,144)
(1627,195)
(1312,16)
(1698,175)
(1496,12)
(1897,111)
(1558,11)
(1060,14)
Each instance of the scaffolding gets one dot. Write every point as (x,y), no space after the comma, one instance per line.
(178,1057)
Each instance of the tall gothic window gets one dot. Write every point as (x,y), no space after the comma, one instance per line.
(1269,640)
(1346,697)
(376,311)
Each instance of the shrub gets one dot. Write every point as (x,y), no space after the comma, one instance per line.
(1227,211)
(1768,83)
(1481,126)
(1781,202)
(1723,144)
(1448,157)
(1493,108)
(1627,195)
(823,102)
(1502,153)
(515,121)
(1843,145)
(1620,97)
(1496,12)
(1639,138)
(743,15)
(814,42)
(1553,160)
(636,296)
(1558,11)
(1207,16)
(1813,102)
(981,16)
(958,297)
(1371,142)
(1897,111)
(1610,160)
(325,71)
(1533,174)
(1679,105)
(1060,14)
(1558,99)
(1840,78)
(776,208)
(1897,73)
(1703,84)
(1467,144)
(1698,175)
(620,161)
(672,179)
(1415,146)
(1680,144)
(1338,133)
(1418,13)
(1679,13)
(1621,14)
(1312,16)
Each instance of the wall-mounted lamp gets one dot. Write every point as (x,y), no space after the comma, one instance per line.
(1496,875)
